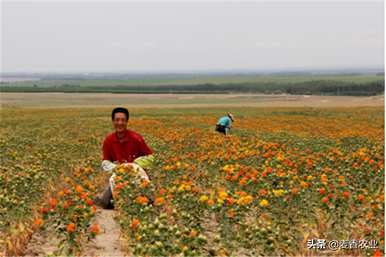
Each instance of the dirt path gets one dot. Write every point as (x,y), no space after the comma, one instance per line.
(42,244)
(108,242)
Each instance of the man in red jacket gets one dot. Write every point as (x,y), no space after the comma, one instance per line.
(122,146)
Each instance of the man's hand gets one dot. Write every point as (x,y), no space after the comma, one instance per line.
(108,166)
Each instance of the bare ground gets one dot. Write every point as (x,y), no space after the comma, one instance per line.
(44,100)
(107,243)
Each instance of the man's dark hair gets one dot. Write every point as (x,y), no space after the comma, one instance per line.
(120,109)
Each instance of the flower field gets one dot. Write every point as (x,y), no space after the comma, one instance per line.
(283,177)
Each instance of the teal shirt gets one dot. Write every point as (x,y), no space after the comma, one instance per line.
(225,121)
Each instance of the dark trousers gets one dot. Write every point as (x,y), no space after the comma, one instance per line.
(221,129)
(105,199)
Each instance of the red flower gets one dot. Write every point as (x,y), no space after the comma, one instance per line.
(44,210)
(89,202)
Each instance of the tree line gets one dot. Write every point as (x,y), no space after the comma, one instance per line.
(314,87)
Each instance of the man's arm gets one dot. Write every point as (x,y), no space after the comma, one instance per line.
(107,165)
(229,123)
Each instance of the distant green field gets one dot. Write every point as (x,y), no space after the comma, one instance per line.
(225,79)
(289,84)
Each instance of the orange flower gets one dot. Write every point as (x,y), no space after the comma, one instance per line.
(241,193)
(38,222)
(141,200)
(346,194)
(195,190)
(322,191)
(243,181)
(229,200)
(159,201)
(61,194)
(145,184)
(303,184)
(210,202)
(89,202)
(79,189)
(360,197)
(53,202)
(71,228)
(231,213)
(325,199)
(193,233)
(134,223)
(94,229)
(263,192)
(162,191)
(377,253)
(295,190)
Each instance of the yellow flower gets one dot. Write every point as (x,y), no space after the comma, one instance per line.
(264,203)
(222,194)
(204,198)
(228,168)
(278,192)
(181,188)
(248,199)
(121,169)
(245,200)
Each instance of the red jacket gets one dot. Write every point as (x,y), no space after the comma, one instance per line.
(130,147)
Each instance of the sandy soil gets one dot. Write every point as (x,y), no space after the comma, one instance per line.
(107,243)
(44,100)
(42,244)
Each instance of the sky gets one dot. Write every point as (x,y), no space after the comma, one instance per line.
(189,36)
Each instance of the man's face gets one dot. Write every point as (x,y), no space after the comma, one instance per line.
(120,122)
